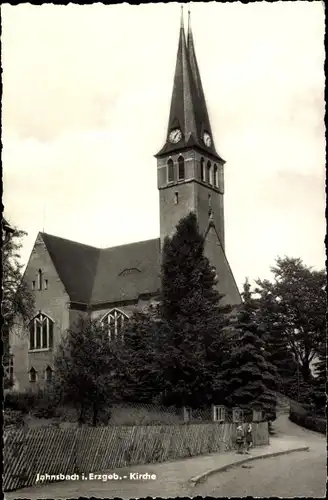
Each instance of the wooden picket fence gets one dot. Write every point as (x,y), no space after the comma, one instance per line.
(67,451)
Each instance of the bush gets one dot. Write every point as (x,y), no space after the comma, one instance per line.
(13,417)
(42,404)
(301,417)
(46,404)
(19,401)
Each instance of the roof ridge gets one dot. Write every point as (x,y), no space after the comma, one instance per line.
(70,241)
(132,243)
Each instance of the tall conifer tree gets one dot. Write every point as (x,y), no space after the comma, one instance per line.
(192,320)
(248,380)
(138,378)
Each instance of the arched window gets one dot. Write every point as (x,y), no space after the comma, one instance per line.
(202,169)
(170,171)
(32,374)
(114,323)
(48,374)
(39,279)
(41,332)
(215,179)
(181,169)
(209,173)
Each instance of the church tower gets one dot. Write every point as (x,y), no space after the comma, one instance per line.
(190,171)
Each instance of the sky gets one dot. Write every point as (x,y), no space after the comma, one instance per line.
(86,97)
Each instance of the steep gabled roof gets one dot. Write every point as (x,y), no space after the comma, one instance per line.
(127,271)
(91,275)
(76,265)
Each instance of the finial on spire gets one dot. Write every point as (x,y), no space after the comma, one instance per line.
(181,21)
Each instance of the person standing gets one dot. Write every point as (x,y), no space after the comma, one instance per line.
(240,437)
(249,437)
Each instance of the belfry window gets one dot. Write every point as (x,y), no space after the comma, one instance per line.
(114,322)
(41,332)
(209,173)
(215,175)
(181,168)
(202,169)
(170,171)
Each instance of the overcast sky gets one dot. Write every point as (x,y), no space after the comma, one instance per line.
(86,96)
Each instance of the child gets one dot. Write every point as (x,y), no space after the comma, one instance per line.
(240,435)
(249,437)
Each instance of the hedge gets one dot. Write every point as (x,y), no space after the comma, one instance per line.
(301,416)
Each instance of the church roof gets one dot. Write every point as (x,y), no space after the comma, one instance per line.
(91,275)
(188,111)
(127,271)
(76,265)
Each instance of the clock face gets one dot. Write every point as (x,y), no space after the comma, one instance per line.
(175,136)
(207,139)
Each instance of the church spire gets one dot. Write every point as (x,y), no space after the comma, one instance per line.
(189,124)
(203,121)
(182,126)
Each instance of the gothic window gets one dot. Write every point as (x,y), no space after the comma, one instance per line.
(48,374)
(170,170)
(33,375)
(209,172)
(41,332)
(33,285)
(39,279)
(215,172)
(181,169)
(176,198)
(114,323)
(202,169)
(46,284)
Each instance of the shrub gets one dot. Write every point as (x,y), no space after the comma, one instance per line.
(46,404)
(301,417)
(13,417)
(19,401)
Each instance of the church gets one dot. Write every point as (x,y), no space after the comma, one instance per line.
(69,279)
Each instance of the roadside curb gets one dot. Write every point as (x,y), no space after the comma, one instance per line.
(202,477)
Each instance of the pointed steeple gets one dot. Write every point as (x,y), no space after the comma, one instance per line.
(182,115)
(188,120)
(203,121)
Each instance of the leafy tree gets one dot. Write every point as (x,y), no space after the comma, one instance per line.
(191,331)
(17,299)
(319,388)
(84,367)
(276,347)
(248,379)
(297,308)
(139,374)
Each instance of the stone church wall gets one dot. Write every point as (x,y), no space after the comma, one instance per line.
(51,302)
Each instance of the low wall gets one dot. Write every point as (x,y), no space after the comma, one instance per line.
(302,417)
(68,451)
